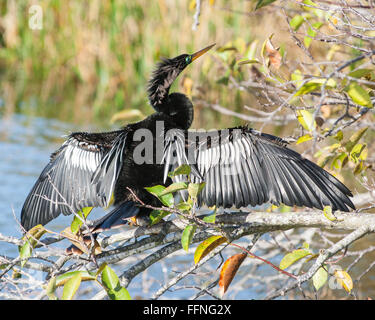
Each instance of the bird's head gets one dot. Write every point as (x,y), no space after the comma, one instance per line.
(165,73)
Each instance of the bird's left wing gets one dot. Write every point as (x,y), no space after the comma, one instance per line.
(81,173)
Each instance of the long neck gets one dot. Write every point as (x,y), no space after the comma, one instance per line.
(180,109)
(160,83)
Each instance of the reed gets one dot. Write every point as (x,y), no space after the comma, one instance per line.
(92,59)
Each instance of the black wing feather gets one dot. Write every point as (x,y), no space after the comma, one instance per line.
(66,184)
(247,167)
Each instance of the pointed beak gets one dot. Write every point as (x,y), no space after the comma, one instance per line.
(201,52)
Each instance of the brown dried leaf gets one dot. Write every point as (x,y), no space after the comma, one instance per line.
(273,54)
(229,270)
(82,243)
(326,111)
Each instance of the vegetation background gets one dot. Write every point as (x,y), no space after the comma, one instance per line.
(301,70)
(92,59)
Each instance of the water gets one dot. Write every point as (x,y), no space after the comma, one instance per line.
(25,145)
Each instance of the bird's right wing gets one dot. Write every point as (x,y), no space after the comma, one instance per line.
(81,173)
(241,167)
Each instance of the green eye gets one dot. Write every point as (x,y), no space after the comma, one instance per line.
(188,59)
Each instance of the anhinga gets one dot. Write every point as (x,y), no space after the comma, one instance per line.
(240,166)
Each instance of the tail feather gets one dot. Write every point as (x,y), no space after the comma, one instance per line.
(116,218)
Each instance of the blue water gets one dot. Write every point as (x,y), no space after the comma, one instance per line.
(25,145)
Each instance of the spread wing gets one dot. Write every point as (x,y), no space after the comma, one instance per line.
(81,173)
(241,167)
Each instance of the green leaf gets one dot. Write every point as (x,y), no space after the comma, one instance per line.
(339,135)
(194,189)
(64,278)
(359,95)
(167,200)
(284,208)
(312,33)
(187,236)
(35,233)
(358,168)
(111,283)
(247,61)
(109,278)
(304,138)
(207,246)
(356,152)
(308,87)
(16,274)
(320,278)
(327,211)
(182,169)
(100,269)
(333,147)
(211,218)
(31,239)
(157,191)
(297,77)
(51,288)
(319,13)
(77,223)
(157,215)
(306,119)
(174,187)
(296,22)
(359,73)
(184,206)
(293,257)
(340,160)
(25,252)
(71,287)
(263,3)
(353,140)
(314,85)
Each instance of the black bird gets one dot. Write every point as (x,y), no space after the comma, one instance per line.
(240,166)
